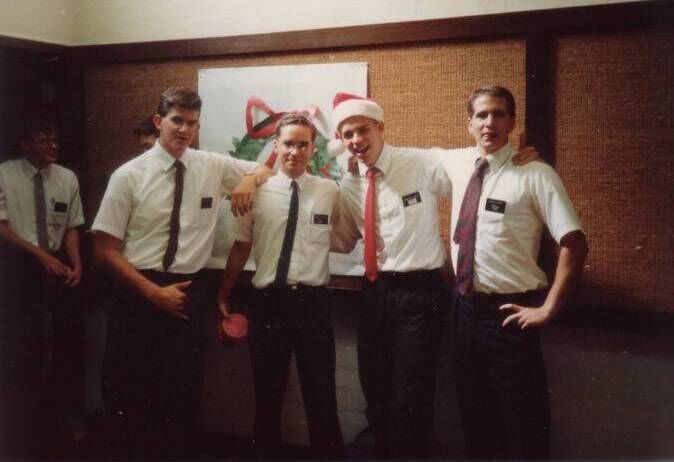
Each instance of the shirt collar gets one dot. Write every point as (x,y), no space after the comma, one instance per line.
(498,158)
(286,180)
(166,160)
(30,170)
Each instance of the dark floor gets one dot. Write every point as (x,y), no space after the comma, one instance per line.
(611,381)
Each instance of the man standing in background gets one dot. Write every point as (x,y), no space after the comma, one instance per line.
(146,133)
(40,212)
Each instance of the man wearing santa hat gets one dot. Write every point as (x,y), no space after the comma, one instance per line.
(391,203)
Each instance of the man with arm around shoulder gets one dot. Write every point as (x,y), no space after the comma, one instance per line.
(501,296)
(154,231)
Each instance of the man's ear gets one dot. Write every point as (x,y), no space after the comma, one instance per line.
(157,121)
(338,135)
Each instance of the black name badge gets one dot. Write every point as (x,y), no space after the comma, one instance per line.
(60,207)
(494,205)
(321,219)
(206,202)
(412,199)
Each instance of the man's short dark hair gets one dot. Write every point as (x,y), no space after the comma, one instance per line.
(35,124)
(178,97)
(296,119)
(146,128)
(496,91)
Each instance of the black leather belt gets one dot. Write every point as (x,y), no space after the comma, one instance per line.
(161,277)
(408,275)
(530,296)
(291,289)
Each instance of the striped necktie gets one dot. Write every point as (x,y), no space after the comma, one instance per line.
(464,234)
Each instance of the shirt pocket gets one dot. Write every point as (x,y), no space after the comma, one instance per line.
(206,207)
(319,228)
(493,222)
(58,213)
(412,205)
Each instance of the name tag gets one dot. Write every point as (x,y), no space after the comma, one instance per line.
(412,199)
(206,202)
(321,219)
(494,205)
(60,207)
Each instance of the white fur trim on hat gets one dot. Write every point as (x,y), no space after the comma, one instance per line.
(356,106)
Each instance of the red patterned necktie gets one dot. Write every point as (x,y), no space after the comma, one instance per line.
(370,238)
(464,234)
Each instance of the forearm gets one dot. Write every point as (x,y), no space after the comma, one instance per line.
(236,261)
(344,234)
(262,174)
(569,268)
(71,243)
(342,242)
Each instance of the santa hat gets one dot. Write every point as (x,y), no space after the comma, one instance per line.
(346,105)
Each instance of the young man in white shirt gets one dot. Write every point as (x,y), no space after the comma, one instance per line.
(404,295)
(154,231)
(502,297)
(288,232)
(40,212)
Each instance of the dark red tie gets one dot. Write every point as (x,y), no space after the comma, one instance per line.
(174,229)
(370,238)
(464,234)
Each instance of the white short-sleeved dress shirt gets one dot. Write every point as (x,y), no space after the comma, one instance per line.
(265,227)
(17,200)
(516,202)
(408,184)
(137,204)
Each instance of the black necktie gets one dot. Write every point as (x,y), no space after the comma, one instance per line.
(288,239)
(174,229)
(466,226)
(40,212)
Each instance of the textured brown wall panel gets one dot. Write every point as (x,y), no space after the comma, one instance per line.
(613,136)
(422,88)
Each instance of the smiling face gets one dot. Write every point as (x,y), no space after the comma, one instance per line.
(363,137)
(295,148)
(177,129)
(491,123)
